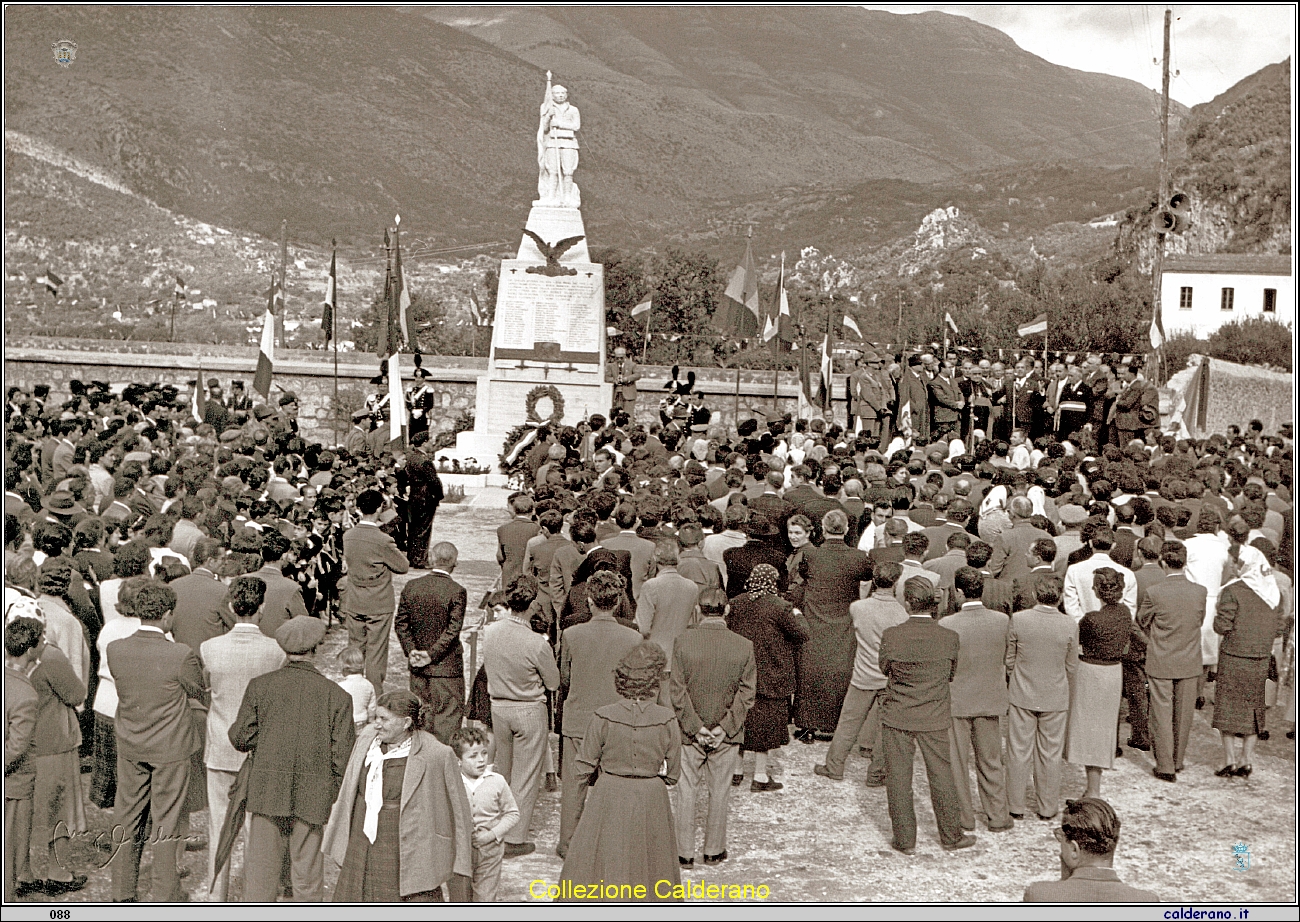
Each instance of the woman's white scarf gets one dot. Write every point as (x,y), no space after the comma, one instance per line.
(375,759)
(1254,571)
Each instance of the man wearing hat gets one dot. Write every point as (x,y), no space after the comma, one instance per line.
(297,727)
(214,412)
(239,401)
(63,508)
(355,441)
(872,398)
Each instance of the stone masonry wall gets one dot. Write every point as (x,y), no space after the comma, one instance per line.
(37,360)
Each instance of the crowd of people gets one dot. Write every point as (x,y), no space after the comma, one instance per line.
(1001,569)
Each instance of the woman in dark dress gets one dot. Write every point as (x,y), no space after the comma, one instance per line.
(1248,618)
(1099,680)
(776,628)
(402,797)
(625,836)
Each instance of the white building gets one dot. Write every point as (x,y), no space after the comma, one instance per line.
(1199,294)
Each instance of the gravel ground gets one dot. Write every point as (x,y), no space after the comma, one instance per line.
(823,840)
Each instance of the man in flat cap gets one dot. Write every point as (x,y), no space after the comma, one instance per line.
(297,727)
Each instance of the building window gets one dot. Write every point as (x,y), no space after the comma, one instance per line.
(1270,300)
(1225,300)
(1185,298)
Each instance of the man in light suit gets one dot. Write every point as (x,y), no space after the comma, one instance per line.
(691,562)
(1042,656)
(589,653)
(641,549)
(429,618)
(1171,616)
(367,605)
(979,702)
(156,736)
(714,681)
(919,658)
(666,606)
(1079,597)
(230,662)
(283,595)
(513,537)
(1088,836)
(297,726)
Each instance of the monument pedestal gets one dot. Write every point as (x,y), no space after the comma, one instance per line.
(549,333)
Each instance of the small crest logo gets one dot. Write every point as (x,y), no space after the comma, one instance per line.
(1241,857)
(65,52)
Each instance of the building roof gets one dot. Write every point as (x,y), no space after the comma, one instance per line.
(1229,264)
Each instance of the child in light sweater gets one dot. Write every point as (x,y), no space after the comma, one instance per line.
(353,662)
(492,805)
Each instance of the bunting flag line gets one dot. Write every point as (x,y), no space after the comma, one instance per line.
(331,300)
(1037,325)
(851,324)
(740,308)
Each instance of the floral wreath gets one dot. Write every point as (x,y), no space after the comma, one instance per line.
(557,404)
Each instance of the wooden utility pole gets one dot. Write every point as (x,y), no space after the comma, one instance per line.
(1157,264)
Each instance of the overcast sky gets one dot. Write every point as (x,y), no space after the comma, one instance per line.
(1213,46)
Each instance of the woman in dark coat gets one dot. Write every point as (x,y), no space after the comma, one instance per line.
(1248,618)
(776,628)
(832,578)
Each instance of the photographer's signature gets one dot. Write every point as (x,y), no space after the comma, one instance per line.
(111,841)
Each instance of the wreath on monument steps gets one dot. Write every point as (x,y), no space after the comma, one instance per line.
(521,437)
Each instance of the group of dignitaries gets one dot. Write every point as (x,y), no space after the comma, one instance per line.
(928,399)
(673,600)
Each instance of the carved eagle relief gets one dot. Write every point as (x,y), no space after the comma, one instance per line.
(553,252)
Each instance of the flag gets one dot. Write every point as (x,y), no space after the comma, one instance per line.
(642,308)
(1157,332)
(805,378)
(740,312)
(394,333)
(779,325)
(1037,325)
(851,324)
(51,282)
(180,290)
(947,318)
(827,369)
(199,404)
(331,299)
(266,353)
(476,311)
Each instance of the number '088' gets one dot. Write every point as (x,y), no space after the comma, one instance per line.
(60,913)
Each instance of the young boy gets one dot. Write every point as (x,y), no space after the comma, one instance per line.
(492,805)
(354,682)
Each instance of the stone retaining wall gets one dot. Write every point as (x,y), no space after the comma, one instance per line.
(310,375)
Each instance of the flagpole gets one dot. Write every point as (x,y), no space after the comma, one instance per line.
(284,256)
(334,335)
(646,345)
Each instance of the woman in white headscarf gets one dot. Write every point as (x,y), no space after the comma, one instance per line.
(1248,617)
(956,448)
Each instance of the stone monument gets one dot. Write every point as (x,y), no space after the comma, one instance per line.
(547,363)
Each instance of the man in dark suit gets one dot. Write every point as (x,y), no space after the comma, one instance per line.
(1137,408)
(1010,549)
(762,545)
(367,605)
(1171,617)
(297,726)
(1039,560)
(641,549)
(589,653)
(512,537)
(769,502)
(425,493)
(979,702)
(997,594)
(919,659)
(201,609)
(156,737)
(714,680)
(428,623)
(946,403)
(1088,836)
(283,595)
